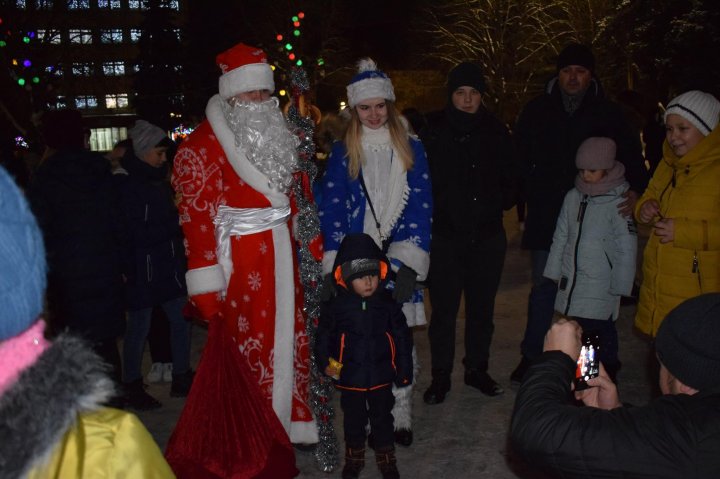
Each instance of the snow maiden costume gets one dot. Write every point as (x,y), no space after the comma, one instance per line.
(397,214)
(234,174)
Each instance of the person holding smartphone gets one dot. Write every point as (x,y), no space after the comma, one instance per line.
(676,435)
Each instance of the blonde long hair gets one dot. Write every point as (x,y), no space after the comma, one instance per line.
(398,137)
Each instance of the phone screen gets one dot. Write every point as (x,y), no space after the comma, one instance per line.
(588,364)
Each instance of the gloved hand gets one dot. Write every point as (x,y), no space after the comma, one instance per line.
(207,304)
(328,291)
(404,284)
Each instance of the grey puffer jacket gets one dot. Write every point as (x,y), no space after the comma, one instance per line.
(592,256)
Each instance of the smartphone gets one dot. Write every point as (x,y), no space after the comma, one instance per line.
(588,364)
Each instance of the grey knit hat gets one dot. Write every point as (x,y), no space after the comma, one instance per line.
(22,261)
(145,136)
(688,342)
(358,268)
(596,153)
(699,108)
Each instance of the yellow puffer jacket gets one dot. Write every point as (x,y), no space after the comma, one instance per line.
(688,190)
(107,443)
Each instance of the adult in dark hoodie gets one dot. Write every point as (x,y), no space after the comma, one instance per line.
(365,330)
(77,207)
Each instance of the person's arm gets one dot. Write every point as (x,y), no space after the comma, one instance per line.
(648,205)
(198,181)
(553,266)
(402,337)
(411,242)
(333,208)
(624,254)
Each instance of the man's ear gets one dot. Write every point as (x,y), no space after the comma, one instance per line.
(685,389)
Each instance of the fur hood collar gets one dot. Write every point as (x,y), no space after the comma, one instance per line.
(37,411)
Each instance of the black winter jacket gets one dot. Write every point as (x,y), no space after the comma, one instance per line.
(547,139)
(369,336)
(473,170)
(156,273)
(674,436)
(78,210)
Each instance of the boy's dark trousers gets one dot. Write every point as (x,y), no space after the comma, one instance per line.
(376,406)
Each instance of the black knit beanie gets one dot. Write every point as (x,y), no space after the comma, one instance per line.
(576,54)
(688,342)
(466,74)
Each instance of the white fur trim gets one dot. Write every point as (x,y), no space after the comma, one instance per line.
(414,314)
(328,261)
(284,349)
(237,158)
(412,256)
(303,432)
(402,410)
(205,280)
(254,76)
(370,88)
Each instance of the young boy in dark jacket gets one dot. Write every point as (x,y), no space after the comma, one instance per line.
(364,343)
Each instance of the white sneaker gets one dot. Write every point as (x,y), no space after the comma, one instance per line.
(156,373)
(167,372)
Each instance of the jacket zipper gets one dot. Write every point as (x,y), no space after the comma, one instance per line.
(580,218)
(696,269)
(392,349)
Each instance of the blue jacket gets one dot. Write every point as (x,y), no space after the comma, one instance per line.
(592,255)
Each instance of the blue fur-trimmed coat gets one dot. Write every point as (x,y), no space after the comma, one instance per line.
(342,211)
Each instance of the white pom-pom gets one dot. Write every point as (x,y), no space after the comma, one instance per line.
(366,64)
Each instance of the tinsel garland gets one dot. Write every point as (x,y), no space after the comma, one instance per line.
(308,228)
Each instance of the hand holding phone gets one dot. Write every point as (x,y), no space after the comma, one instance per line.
(588,363)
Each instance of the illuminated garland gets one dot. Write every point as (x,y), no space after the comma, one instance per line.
(308,228)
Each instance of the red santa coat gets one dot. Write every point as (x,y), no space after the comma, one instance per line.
(264,297)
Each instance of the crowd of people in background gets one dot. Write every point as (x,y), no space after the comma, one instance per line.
(152,236)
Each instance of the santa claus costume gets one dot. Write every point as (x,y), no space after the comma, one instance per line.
(234,174)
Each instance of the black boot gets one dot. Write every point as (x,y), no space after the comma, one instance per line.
(137,398)
(439,387)
(354,462)
(480,379)
(517,375)
(404,437)
(387,463)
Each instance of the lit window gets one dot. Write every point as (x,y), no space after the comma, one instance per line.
(49,36)
(113,68)
(43,4)
(20,4)
(82,69)
(111,4)
(78,4)
(178,68)
(61,102)
(82,36)
(85,101)
(119,100)
(174,4)
(136,67)
(113,35)
(134,4)
(103,139)
(135,34)
(176,31)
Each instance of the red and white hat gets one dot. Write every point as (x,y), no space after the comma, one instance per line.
(244,69)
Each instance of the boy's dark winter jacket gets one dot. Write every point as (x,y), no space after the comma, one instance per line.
(369,336)
(156,271)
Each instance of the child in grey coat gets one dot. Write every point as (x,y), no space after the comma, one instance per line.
(592,257)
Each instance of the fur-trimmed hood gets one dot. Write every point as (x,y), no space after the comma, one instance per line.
(37,411)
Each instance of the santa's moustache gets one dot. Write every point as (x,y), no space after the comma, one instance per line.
(262,133)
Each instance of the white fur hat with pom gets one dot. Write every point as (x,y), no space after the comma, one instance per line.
(369,83)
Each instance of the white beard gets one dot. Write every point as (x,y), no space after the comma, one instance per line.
(262,133)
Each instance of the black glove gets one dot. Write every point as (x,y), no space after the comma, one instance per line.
(404,284)
(328,290)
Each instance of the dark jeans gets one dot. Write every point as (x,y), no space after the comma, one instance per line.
(472,267)
(605,328)
(375,406)
(541,306)
(159,337)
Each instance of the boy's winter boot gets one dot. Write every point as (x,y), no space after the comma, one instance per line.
(387,464)
(354,462)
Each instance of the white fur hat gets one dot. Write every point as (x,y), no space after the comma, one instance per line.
(369,83)
(699,108)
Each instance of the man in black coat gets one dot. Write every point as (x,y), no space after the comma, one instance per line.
(473,179)
(676,435)
(78,210)
(548,133)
